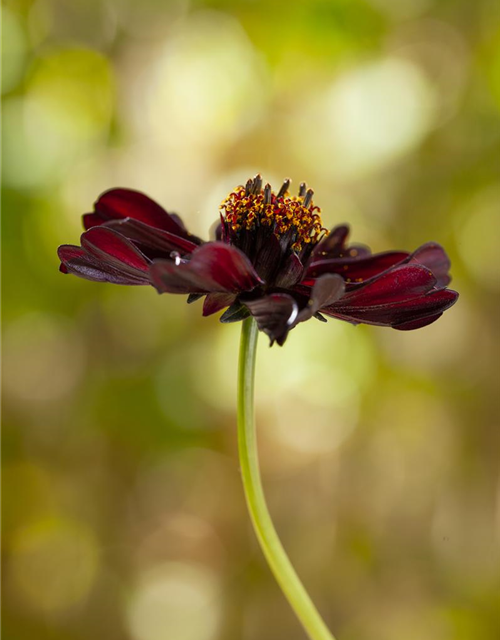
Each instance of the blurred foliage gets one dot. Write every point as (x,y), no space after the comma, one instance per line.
(123,513)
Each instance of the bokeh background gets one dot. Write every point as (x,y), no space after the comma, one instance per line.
(123,511)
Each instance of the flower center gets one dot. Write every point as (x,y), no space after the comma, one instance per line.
(252,206)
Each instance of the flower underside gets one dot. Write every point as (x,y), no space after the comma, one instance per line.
(292,217)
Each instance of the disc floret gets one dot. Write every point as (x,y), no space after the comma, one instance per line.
(251,206)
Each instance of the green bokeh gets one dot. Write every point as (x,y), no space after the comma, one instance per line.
(123,513)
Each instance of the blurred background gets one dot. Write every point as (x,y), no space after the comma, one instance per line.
(123,511)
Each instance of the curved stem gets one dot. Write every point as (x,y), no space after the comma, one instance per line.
(270,544)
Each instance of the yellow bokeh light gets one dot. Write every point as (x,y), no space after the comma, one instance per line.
(370,116)
(204,84)
(54,564)
(477,225)
(175,600)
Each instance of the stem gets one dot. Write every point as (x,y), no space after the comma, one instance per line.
(270,544)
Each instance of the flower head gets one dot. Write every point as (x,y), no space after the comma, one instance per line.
(271,259)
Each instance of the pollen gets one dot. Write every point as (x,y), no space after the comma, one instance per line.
(251,206)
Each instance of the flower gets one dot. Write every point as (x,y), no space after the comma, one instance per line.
(271,259)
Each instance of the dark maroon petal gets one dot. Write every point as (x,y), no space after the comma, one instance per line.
(222,230)
(117,204)
(85,268)
(357,251)
(92,220)
(216,302)
(355,269)
(275,315)
(68,252)
(396,314)
(151,237)
(400,283)
(354,262)
(417,324)
(78,262)
(267,255)
(218,231)
(402,296)
(433,256)
(178,220)
(333,244)
(326,290)
(112,248)
(213,268)
(290,273)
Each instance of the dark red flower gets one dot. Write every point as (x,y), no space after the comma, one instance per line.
(271,259)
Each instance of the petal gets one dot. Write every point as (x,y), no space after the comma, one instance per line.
(279,313)
(117,204)
(397,284)
(214,267)
(114,249)
(326,290)
(434,257)
(67,252)
(216,230)
(267,255)
(178,220)
(405,314)
(216,302)
(151,237)
(275,315)
(79,262)
(290,273)
(355,268)
(332,244)
(417,324)
(221,230)
(92,220)
(402,296)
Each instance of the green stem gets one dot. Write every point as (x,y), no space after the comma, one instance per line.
(270,544)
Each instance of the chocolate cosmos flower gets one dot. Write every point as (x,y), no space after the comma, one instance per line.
(271,259)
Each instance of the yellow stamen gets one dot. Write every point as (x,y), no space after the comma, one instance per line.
(247,207)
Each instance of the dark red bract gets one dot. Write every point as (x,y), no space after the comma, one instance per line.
(271,259)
